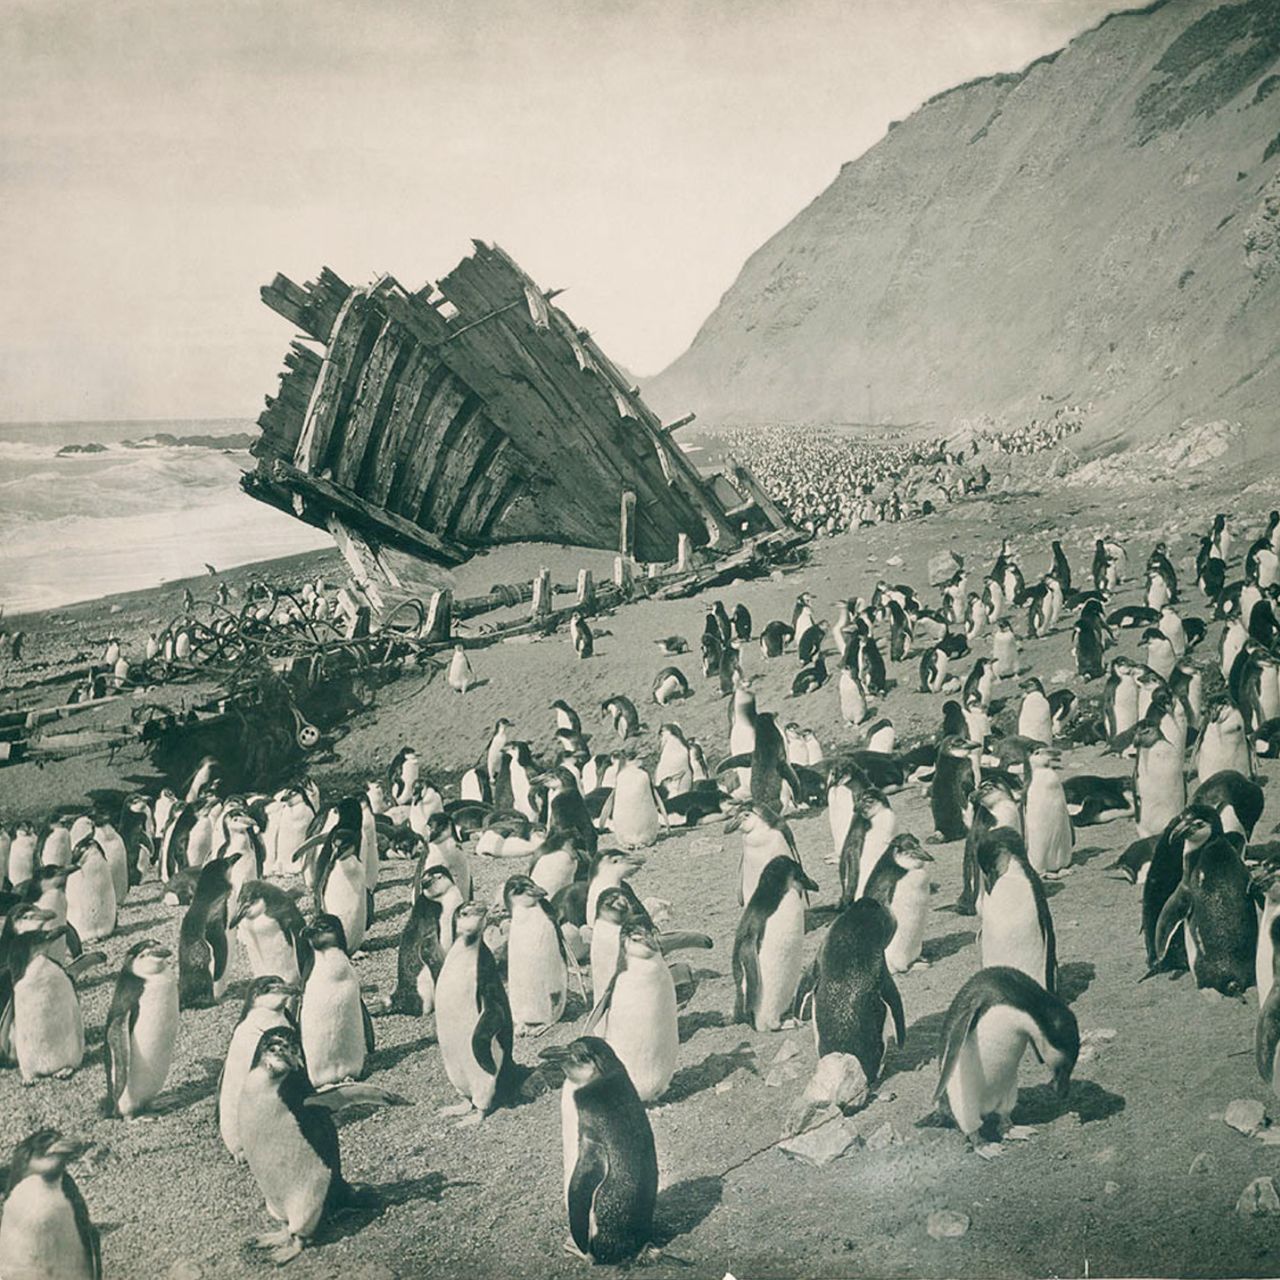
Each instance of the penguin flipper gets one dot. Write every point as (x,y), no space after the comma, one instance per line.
(956,1031)
(741,761)
(807,985)
(602,1006)
(1266,1038)
(1175,911)
(589,1173)
(121,1018)
(893,999)
(1045,919)
(88,1233)
(337,1098)
(74,945)
(367,1022)
(85,960)
(684,941)
(746,974)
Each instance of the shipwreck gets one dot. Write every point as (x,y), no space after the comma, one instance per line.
(419,427)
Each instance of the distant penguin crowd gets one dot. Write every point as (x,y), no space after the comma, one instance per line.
(275,893)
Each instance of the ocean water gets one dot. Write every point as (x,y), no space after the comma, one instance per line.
(85,525)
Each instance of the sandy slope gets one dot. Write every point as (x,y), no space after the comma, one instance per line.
(1102,1188)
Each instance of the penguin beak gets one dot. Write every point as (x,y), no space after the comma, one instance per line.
(161,953)
(1062,1080)
(237,915)
(68,1148)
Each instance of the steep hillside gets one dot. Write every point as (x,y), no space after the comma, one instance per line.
(1101,227)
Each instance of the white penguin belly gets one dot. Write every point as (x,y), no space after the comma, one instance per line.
(293,1178)
(569,1132)
(605,940)
(1048,825)
(118,861)
(1264,955)
(1163,790)
(554,872)
(910,909)
(267,949)
(642,1025)
(48,1029)
(781,958)
(244,1044)
(756,855)
(344,897)
(839,815)
(151,1043)
(291,835)
(1011,933)
(635,820)
(39,1239)
(454,858)
(985,1079)
(536,977)
(332,1025)
(91,901)
(884,826)
(456,1018)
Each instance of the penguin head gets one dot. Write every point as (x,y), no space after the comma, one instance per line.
(44,1154)
(437,880)
(148,959)
(270,991)
(640,939)
(470,919)
(584,1059)
(1043,757)
(908,852)
(279,1053)
(30,918)
(1032,684)
(86,851)
(617,864)
(1196,825)
(613,905)
(326,933)
(521,891)
(251,903)
(871,802)
(440,827)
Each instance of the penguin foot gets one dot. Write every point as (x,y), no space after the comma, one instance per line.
(65,1074)
(455,1109)
(573,1251)
(1019,1133)
(988,1150)
(922,963)
(280,1246)
(359,955)
(470,1121)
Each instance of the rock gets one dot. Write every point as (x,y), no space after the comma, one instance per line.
(780,1074)
(883,1138)
(1098,1035)
(1201,1162)
(787,1052)
(943,567)
(1111,1187)
(724,1086)
(839,1081)
(947,1224)
(822,1145)
(1258,1199)
(1269,1137)
(184,1269)
(117,608)
(894,562)
(1246,1115)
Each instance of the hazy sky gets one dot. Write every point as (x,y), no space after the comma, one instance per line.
(160,159)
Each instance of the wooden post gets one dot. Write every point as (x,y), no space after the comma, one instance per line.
(586,590)
(684,554)
(622,574)
(627,534)
(652,570)
(541,595)
(438,628)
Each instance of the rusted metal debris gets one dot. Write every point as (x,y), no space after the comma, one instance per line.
(435,423)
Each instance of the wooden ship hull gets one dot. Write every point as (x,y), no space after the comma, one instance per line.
(428,425)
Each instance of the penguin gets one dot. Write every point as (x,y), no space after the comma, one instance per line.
(424,942)
(1046,818)
(291,1142)
(204,967)
(613,908)
(142,1026)
(1162,657)
(22,854)
(853,697)
(473,1020)
(742,733)
(47,1025)
(1035,717)
(870,833)
(1237,799)
(639,1011)
(1266,1037)
(742,623)
(993,1018)
(271,930)
(610,1162)
(1120,698)
(55,851)
(537,964)
(1159,787)
(289,817)
(461,677)
(1016,924)
(91,893)
(774,638)
(116,852)
(953,781)
(979,683)
(670,685)
(712,649)
(268,1003)
(622,711)
(45,1231)
(558,863)
(634,812)
(870,666)
(993,806)
(851,987)
(244,850)
(1004,650)
(900,883)
(673,774)
(933,670)
(768,948)
(336,1030)
(566,716)
(444,850)
(581,635)
(765,836)
(811,678)
(771,772)
(339,883)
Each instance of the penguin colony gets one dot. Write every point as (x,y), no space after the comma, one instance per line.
(278,893)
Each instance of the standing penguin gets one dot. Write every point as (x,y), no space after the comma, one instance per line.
(768,948)
(1035,716)
(1159,785)
(581,635)
(340,883)
(461,676)
(1267,1032)
(900,883)
(992,1019)
(291,1142)
(765,836)
(91,893)
(640,1008)
(1089,638)
(634,812)
(336,1030)
(852,987)
(268,1003)
(1017,928)
(1046,819)
(742,623)
(48,1027)
(204,960)
(874,825)
(537,965)
(610,1163)
(425,941)
(1223,743)
(773,779)
(953,782)
(1004,650)
(116,852)
(271,930)
(45,1232)
(142,1026)
(473,1020)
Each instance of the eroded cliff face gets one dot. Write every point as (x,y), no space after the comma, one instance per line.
(1102,227)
